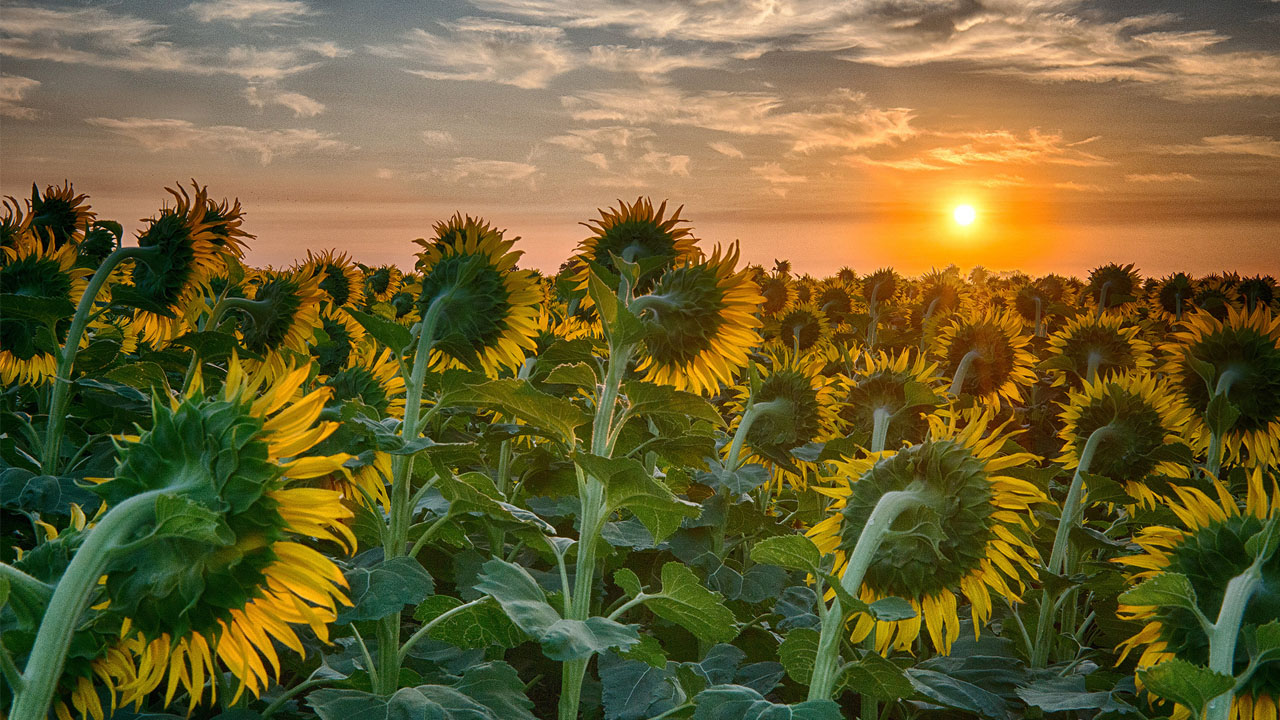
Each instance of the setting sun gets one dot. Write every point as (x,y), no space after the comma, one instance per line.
(964,214)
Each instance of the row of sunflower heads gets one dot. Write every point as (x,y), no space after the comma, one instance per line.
(234,563)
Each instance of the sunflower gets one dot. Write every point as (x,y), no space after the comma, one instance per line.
(836,299)
(489,316)
(99,242)
(637,233)
(1208,550)
(1215,294)
(225,220)
(187,255)
(970,536)
(29,346)
(996,348)
(15,227)
(59,216)
(372,378)
(801,408)
(382,283)
(1113,286)
(1089,346)
(700,323)
(847,275)
(340,279)
(1144,416)
(1243,352)
(189,604)
(284,312)
(896,385)
(880,287)
(1033,303)
(940,295)
(344,337)
(1173,297)
(1259,290)
(802,327)
(778,292)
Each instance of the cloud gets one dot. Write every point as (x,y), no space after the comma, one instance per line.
(728,150)
(779,180)
(1041,40)
(98,37)
(1255,145)
(490,173)
(843,120)
(1078,187)
(647,60)
(438,138)
(480,49)
(164,134)
(269,12)
(1003,180)
(301,105)
(1169,177)
(1000,147)
(624,156)
(13,90)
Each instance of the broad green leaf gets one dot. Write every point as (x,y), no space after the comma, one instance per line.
(497,686)
(685,602)
(620,324)
(145,376)
(178,516)
(519,399)
(578,374)
(576,639)
(475,492)
(46,310)
(474,628)
(890,609)
(384,589)
(1266,541)
(433,702)
(519,595)
(648,650)
(793,552)
(1266,643)
(798,652)
(1164,590)
(1069,693)
(955,694)
(628,485)
(214,345)
(919,395)
(735,702)
(875,676)
(650,399)
(630,688)
(1188,685)
(1221,414)
(393,336)
(628,581)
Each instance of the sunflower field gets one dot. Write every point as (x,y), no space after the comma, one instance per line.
(662,483)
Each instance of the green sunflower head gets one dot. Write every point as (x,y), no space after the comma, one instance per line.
(358,383)
(1114,285)
(880,286)
(682,314)
(99,242)
(479,298)
(1175,293)
(277,304)
(1257,291)
(59,215)
(332,356)
(798,421)
(777,293)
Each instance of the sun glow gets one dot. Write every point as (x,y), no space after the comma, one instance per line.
(964,214)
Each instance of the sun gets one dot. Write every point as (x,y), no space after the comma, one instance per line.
(964,214)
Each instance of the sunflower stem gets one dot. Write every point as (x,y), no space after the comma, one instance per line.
(827,661)
(754,412)
(962,371)
(1222,640)
(1062,542)
(1102,297)
(1091,372)
(70,598)
(1213,463)
(61,392)
(879,429)
(1039,316)
(215,316)
(430,625)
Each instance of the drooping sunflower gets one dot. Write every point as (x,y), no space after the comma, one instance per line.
(1259,290)
(1208,550)
(1001,364)
(226,598)
(637,233)
(1215,294)
(99,241)
(343,337)
(187,255)
(940,295)
(1113,286)
(898,384)
(59,216)
(1090,346)
(284,314)
(1035,302)
(15,227)
(225,221)
(372,378)
(700,323)
(29,345)
(970,536)
(881,287)
(340,279)
(1144,416)
(779,293)
(382,283)
(802,327)
(490,307)
(1245,348)
(1173,297)
(835,298)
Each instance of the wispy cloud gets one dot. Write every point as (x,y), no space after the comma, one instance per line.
(780,181)
(439,138)
(267,12)
(729,150)
(13,90)
(479,49)
(1000,147)
(478,172)
(98,37)
(167,134)
(1168,177)
(301,105)
(623,156)
(647,60)
(1256,145)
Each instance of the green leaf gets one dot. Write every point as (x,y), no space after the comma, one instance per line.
(735,702)
(620,324)
(918,395)
(875,676)
(519,595)
(519,399)
(955,694)
(497,686)
(650,399)
(213,345)
(576,639)
(793,552)
(178,516)
(1266,643)
(649,651)
(1066,694)
(629,485)
(393,336)
(384,589)
(1265,542)
(1164,590)
(146,376)
(479,626)
(628,581)
(630,688)
(1188,685)
(475,492)
(798,651)
(890,609)
(685,602)
(425,702)
(46,310)
(577,374)
(1221,414)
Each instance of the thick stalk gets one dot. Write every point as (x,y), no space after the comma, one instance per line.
(401,510)
(1214,461)
(1222,640)
(879,429)
(61,392)
(1062,541)
(873,315)
(1091,371)
(753,412)
(924,322)
(1102,297)
(962,371)
(215,317)
(1177,309)
(71,597)
(1039,316)
(827,661)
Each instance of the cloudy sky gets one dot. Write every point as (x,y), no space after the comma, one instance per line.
(830,133)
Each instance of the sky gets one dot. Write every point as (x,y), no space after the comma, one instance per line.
(828,133)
